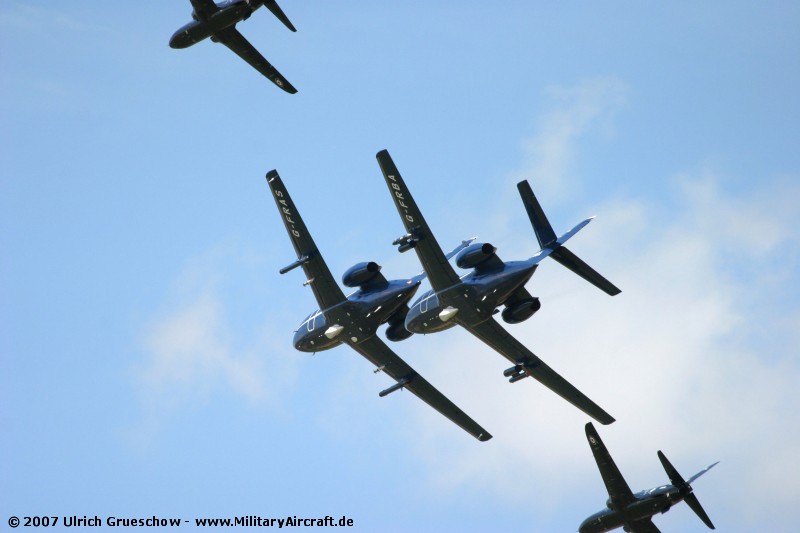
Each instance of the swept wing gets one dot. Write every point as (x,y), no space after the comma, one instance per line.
(234,40)
(440,271)
(376,351)
(326,290)
(493,334)
(328,294)
(442,275)
(618,489)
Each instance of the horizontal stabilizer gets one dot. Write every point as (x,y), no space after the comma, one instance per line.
(674,477)
(693,503)
(685,487)
(273,6)
(578,266)
(555,246)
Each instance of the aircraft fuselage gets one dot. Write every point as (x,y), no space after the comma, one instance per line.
(229,14)
(472,300)
(355,319)
(648,503)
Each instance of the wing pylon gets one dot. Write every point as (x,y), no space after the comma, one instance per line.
(372,348)
(442,276)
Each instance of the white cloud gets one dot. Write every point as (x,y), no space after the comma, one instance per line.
(579,109)
(191,354)
(38,19)
(697,356)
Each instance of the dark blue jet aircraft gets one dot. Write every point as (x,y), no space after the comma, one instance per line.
(633,512)
(471,300)
(218,21)
(354,320)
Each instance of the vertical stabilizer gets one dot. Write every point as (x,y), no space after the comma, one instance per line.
(541,226)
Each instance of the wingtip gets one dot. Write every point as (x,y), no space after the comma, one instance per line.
(272,174)
(607,420)
(282,83)
(382,153)
(483,437)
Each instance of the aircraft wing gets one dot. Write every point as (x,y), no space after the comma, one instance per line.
(326,290)
(645,525)
(440,272)
(204,8)
(234,40)
(618,489)
(493,334)
(466,242)
(376,351)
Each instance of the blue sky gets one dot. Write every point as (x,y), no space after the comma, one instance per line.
(146,364)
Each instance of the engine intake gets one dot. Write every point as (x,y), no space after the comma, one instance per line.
(360,274)
(475,254)
(521,310)
(397,332)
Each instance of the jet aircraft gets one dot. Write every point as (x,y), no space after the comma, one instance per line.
(218,21)
(633,512)
(354,320)
(471,300)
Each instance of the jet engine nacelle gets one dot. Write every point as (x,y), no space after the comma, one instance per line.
(361,273)
(397,332)
(475,254)
(521,311)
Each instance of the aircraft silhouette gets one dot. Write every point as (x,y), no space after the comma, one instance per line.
(633,512)
(354,320)
(218,21)
(470,301)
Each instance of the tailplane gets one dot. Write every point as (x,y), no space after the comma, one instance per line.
(273,6)
(555,245)
(686,488)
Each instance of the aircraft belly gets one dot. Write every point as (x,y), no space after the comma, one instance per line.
(647,508)
(427,322)
(602,522)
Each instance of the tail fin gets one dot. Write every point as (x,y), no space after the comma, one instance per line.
(273,6)
(685,487)
(547,240)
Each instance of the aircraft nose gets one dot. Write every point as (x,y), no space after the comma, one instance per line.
(180,39)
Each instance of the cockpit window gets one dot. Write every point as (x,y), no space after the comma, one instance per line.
(311,320)
(429,299)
